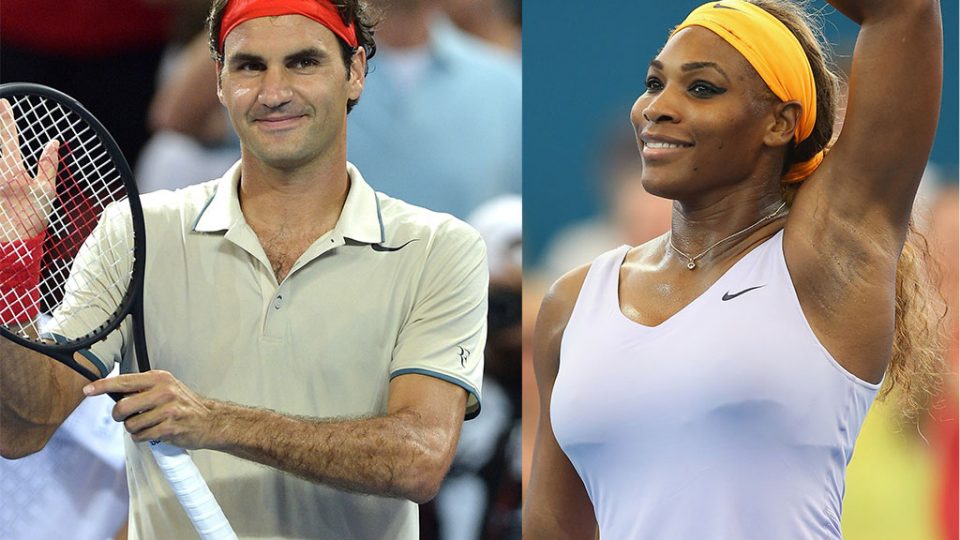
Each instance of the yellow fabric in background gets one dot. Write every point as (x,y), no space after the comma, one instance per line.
(891,487)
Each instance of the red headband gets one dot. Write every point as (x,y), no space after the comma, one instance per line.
(322,11)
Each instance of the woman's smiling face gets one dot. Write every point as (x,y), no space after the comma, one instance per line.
(702,120)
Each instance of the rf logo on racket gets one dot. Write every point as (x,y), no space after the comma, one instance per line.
(463,354)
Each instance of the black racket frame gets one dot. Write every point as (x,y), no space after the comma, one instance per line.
(132,303)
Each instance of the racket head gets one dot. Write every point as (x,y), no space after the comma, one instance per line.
(92,179)
(92,175)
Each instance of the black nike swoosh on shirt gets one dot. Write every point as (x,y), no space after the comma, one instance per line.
(719,5)
(728,296)
(378,247)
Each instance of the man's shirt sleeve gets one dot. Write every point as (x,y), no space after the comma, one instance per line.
(99,277)
(445,334)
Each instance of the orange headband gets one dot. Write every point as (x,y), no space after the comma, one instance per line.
(776,54)
(322,11)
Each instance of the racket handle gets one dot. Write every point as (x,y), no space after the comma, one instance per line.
(192,492)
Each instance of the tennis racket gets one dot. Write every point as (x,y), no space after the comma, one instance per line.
(72,252)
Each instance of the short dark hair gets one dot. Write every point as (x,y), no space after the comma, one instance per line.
(359,12)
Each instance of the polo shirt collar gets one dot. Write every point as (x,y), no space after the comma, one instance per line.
(360,219)
(222,211)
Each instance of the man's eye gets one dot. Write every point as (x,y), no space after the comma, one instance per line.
(303,63)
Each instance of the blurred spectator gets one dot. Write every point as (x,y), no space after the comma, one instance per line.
(900,503)
(500,223)
(104,53)
(193,140)
(630,216)
(494,21)
(481,496)
(945,245)
(74,488)
(186,100)
(438,124)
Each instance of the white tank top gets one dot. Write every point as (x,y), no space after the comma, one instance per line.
(729,420)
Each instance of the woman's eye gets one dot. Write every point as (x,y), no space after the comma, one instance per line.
(654,85)
(702,89)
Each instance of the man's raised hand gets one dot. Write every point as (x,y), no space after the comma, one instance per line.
(27,200)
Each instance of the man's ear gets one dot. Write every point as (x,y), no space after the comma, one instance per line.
(220,83)
(783,123)
(358,70)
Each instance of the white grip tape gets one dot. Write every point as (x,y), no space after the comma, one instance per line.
(192,492)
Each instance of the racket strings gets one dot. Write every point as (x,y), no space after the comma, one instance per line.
(86,182)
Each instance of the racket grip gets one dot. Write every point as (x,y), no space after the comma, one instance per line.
(192,492)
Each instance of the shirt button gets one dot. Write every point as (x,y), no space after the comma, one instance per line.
(278,302)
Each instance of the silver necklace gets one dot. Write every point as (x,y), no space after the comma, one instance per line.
(692,261)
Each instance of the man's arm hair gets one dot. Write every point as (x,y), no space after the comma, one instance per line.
(36,395)
(404,453)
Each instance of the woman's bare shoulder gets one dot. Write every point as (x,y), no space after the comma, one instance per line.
(561,297)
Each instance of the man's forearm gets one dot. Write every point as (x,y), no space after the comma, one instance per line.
(405,453)
(395,455)
(35,398)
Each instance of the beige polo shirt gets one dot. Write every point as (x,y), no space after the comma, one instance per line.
(393,289)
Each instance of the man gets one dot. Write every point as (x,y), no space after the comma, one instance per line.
(288,285)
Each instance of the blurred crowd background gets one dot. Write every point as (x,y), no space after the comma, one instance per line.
(438,125)
(584,66)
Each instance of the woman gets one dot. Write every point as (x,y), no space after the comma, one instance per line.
(711,383)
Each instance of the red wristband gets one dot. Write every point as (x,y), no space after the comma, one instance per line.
(20,262)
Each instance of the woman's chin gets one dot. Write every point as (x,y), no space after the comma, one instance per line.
(666,186)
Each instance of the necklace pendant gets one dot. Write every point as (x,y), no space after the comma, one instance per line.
(691,265)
